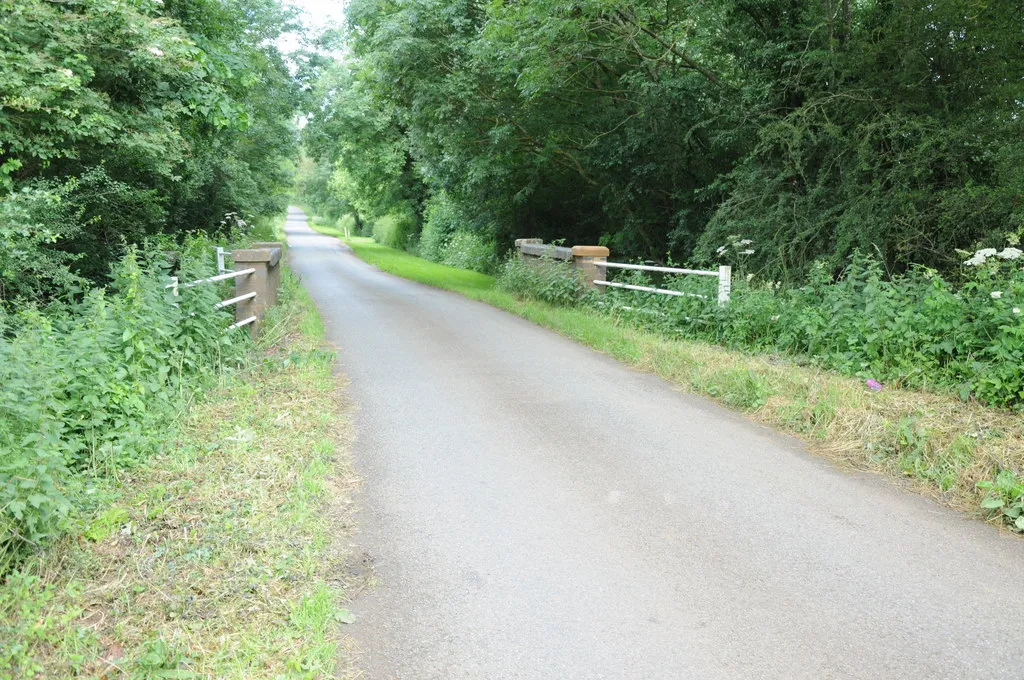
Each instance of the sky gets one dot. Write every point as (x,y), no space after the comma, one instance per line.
(318,13)
(321,12)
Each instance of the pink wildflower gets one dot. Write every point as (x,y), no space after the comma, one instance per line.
(873,385)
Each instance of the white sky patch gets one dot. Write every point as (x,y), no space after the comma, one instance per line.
(316,15)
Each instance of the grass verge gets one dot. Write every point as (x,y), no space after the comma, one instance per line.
(936,444)
(217,558)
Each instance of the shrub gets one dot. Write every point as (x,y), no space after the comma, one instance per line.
(395,230)
(448,237)
(554,282)
(112,213)
(31,221)
(468,250)
(441,220)
(914,329)
(347,225)
(90,385)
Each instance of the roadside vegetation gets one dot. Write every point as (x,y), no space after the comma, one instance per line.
(966,454)
(91,384)
(812,127)
(217,555)
(163,480)
(859,165)
(122,120)
(134,136)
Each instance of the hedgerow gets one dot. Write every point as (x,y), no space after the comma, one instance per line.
(916,330)
(91,384)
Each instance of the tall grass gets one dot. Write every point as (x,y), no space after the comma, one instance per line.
(91,384)
(218,558)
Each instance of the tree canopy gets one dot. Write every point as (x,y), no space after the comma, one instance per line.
(121,119)
(812,127)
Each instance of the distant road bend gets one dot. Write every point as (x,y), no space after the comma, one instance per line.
(537,510)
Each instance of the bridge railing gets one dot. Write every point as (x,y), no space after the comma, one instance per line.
(257,276)
(724,276)
(593,262)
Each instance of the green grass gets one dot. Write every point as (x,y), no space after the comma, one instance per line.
(836,416)
(219,557)
(409,266)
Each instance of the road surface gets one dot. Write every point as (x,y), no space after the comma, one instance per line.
(534,509)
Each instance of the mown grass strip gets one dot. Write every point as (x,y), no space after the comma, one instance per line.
(218,558)
(940,446)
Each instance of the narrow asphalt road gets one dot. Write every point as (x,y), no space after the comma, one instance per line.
(534,509)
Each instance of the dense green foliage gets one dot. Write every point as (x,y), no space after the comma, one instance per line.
(551,281)
(180,546)
(911,330)
(88,384)
(814,127)
(126,126)
(121,119)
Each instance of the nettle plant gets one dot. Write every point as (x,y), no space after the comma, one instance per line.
(91,386)
(547,280)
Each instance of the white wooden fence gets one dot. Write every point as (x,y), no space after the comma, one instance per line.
(724,275)
(225,274)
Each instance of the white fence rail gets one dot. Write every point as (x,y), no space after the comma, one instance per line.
(175,286)
(211,279)
(724,275)
(238,298)
(244,322)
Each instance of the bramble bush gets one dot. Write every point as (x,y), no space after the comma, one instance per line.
(89,385)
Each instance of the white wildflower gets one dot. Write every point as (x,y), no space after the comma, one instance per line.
(1016,310)
(721,250)
(745,242)
(68,72)
(778,284)
(775,318)
(979,257)
(750,277)
(1010,254)
(748,251)
(156,51)
(996,294)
